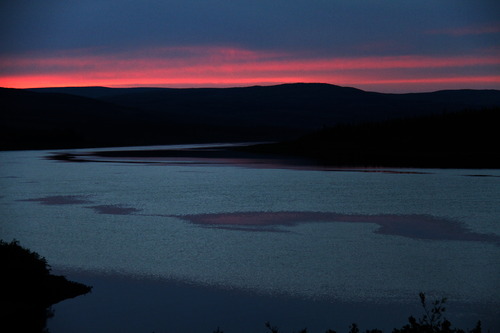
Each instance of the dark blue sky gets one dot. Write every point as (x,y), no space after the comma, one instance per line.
(221,43)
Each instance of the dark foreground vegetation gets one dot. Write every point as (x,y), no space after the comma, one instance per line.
(466,139)
(431,321)
(28,289)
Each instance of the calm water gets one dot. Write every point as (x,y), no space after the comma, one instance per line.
(345,236)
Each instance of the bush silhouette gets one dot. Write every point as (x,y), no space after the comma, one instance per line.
(28,289)
(431,321)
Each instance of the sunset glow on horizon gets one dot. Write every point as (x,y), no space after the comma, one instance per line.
(226,67)
(234,45)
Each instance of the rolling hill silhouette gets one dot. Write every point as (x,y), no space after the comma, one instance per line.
(99,116)
(462,139)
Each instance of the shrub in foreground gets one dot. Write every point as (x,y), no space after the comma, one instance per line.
(28,289)
(431,321)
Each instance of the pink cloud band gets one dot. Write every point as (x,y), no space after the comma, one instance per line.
(223,66)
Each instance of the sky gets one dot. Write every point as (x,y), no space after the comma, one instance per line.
(384,45)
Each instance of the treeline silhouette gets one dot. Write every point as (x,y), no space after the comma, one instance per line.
(28,289)
(466,139)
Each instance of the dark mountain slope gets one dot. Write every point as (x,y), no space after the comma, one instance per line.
(294,106)
(98,116)
(297,107)
(465,139)
(30,120)
(94,92)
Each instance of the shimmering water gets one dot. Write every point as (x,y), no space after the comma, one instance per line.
(143,219)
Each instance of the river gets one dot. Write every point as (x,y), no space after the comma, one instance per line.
(194,244)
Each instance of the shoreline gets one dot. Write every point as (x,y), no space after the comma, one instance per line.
(281,155)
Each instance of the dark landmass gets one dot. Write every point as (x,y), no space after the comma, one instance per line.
(52,118)
(28,289)
(461,139)
(466,139)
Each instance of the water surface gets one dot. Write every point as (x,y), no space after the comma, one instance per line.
(345,236)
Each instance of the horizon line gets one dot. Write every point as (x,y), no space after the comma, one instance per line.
(139,86)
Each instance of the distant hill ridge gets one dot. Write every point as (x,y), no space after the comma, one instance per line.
(463,139)
(100,116)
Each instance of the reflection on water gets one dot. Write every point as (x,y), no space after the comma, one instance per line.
(60,200)
(413,226)
(114,209)
(350,236)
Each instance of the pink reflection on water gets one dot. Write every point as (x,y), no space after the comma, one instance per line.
(411,226)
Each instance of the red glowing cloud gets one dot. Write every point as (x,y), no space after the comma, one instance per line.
(222,66)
